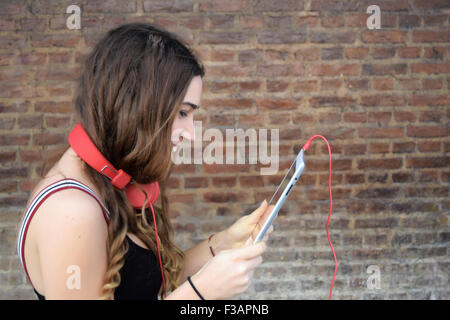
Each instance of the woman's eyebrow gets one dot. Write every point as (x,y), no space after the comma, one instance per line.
(192,105)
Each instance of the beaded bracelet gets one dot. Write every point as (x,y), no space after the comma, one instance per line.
(209,243)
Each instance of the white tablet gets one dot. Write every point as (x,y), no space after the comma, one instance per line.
(285,188)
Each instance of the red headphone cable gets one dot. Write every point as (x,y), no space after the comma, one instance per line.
(305,147)
(159,251)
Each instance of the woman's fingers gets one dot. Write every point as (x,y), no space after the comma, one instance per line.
(249,251)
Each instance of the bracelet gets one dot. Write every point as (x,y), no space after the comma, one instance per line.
(209,243)
(195,289)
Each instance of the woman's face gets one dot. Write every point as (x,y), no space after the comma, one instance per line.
(183,125)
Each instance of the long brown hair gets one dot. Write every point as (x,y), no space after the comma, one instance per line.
(127,98)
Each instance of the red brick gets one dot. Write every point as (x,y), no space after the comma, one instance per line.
(224,197)
(305,21)
(251,22)
(402,177)
(12,41)
(183,168)
(13,7)
(223,38)
(355,149)
(228,103)
(378,147)
(354,178)
(305,86)
(277,86)
(14,139)
(355,117)
(383,84)
(221,21)
(47,139)
(383,36)
(429,100)
(111,6)
(290,134)
(52,107)
(307,54)
(281,37)
(431,68)
(269,5)
(388,163)
(431,116)
(404,116)
(434,53)
(428,162)
(222,55)
(432,84)
(380,133)
(382,53)
(281,118)
(377,193)
(345,5)
(408,84)
(379,117)
(250,85)
(431,36)
(224,168)
(280,70)
(404,147)
(384,69)
(251,181)
(334,69)
(7,156)
(181,197)
(409,52)
(277,104)
(408,21)
(195,182)
(382,100)
(430,4)
(434,20)
(429,146)
(55,40)
(224,181)
(332,37)
(427,131)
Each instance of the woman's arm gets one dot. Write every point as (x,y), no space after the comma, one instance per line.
(198,255)
(232,237)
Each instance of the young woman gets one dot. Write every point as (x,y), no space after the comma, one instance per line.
(139,85)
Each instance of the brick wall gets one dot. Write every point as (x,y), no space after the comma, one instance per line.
(306,67)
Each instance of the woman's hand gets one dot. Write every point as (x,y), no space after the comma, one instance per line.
(249,226)
(230,272)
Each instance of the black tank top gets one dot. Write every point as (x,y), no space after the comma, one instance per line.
(140,275)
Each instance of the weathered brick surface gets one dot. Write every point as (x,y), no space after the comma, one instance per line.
(306,67)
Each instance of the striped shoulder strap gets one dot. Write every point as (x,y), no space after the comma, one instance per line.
(39,199)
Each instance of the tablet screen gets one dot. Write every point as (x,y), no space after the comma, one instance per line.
(283,184)
(282,192)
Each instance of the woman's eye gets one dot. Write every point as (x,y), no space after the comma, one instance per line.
(183,113)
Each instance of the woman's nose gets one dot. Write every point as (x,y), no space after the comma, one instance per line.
(186,133)
(190,132)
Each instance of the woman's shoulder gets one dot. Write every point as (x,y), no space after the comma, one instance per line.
(68,207)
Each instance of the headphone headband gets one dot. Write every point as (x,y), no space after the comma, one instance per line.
(86,150)
(81,143)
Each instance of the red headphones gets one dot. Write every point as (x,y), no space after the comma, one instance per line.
(86,150)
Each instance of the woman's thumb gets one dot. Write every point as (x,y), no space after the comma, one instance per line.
(248,242)
(261,209)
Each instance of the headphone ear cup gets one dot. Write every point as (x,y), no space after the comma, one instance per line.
(137,197)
